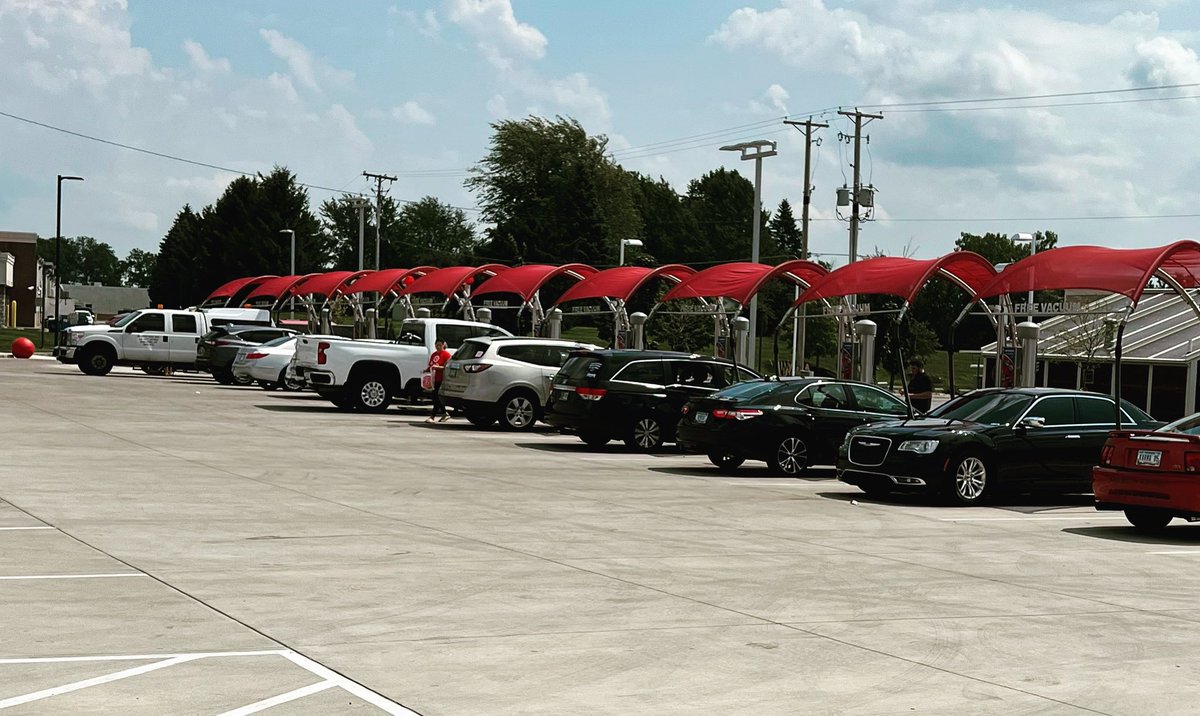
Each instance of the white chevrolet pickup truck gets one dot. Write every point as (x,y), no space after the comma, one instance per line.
(152,337)
(365,374)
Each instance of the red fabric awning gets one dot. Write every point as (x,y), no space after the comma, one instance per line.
(525,281)
(622,282)
(384,281)
(276,287)
(900,276)
(740,281)
(230,288)
(448,280)
(1122,271)
(324,284)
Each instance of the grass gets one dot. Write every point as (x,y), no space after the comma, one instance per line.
(8,335)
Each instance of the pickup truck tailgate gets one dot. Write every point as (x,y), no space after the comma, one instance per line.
(306,351)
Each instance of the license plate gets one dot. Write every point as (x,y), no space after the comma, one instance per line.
(701,417)
(1149,458)
(453,372)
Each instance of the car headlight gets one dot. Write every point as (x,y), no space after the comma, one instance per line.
(921,447)
(72,338)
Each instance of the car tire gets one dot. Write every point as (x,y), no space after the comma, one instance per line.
(594,439)
(790,456)
(98,360)
(268,385)
(1147,519)
(480,419)
(645,433)
(370,392)
(289,385)
(970,480)
(222,376)
(727,462)
(242,380)
(519,411)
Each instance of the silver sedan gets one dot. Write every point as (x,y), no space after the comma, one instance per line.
(268,364)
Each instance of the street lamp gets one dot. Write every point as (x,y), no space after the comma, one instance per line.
(1022,238)
(58,251)
(292,270)
(624,243)
(757,150)
(46,266)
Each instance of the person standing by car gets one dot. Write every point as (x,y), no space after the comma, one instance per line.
(437,367)
(920,387)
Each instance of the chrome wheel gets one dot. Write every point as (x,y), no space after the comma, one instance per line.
(647,433)
(519,412)
(791,456)
(970,479)
(373,394)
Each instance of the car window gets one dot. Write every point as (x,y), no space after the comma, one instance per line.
(990,407)
(525,354)
(148,322)
(700,374)
(181,323)
(470,349)
(556,356)
(744,374)
(877,401)
(1134,414)
(412,333)
(642,371)
(280,341)
(830,396)
(1058,410)
(748,390)
(1093,411)
(1189,425)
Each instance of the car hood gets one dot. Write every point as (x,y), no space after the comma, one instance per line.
(921,428)
(94,328)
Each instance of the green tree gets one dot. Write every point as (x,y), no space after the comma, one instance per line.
(339,224)
(668,225)
(552,194)
(137,269)
(84,260)
(176,281)
(786,234)
(722,203)
(434,233)
(68,257)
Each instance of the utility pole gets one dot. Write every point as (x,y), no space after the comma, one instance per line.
(855,197)
(799,324)
(379,180)
(361,204)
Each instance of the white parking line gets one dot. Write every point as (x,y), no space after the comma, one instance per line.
(73,576)
(357,689)
(1178,552)
(115,676)
(14,529)
(1028,518)
(281,699)
(136,657)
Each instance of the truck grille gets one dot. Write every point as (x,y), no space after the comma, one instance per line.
(868,450)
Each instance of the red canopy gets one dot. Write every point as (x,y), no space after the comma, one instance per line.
(622,282)
(324,284)
(384,281)
(448,280)
(525,281)
(276,287)
(899,276)
(740,281)
(229,288)
(1123,271)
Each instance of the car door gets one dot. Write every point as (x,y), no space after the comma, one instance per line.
(1094,419)
(638,387)
(833,413)
(183,337)
(1041,456)
(144,339)
(875,404)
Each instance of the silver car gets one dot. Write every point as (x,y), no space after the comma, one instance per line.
(505,379)
(268,363)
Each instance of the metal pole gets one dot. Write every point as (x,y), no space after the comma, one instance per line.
(42,338)
(362,212)
(1032,253)
(57,256)
(752,338)
(800,326)
(621,253)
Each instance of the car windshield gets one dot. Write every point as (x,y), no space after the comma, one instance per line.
(280,341)
(1189,425)
(748,390)
(1135,412)
(992,408)
(127,318)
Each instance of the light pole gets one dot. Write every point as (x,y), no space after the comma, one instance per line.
(46,266)
(624,243)
(58,251)
(1022,238)
(292,271)
(756,150)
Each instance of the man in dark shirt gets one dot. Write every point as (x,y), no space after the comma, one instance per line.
(920,387)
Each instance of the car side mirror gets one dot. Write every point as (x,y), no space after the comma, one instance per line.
(1031,422)
(133,329)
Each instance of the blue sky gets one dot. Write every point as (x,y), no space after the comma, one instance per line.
(410,88)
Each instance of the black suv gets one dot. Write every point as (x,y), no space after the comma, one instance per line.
(635,396)
(217,348)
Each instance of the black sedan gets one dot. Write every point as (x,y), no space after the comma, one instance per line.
(216,349)
(1016,439)
(790,424)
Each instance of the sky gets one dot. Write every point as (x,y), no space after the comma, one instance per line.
(1086,125)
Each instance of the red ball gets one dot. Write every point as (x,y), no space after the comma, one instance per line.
(22,348)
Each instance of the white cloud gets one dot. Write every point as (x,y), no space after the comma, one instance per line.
(426,23)
(497,106)
(500,36)
(201,62)
(1164,61)
(309,71)
(413,113)
(778,97)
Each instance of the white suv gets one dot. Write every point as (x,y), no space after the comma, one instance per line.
(505,379)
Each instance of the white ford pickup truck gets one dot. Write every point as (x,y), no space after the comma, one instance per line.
(152,337)
(365,374)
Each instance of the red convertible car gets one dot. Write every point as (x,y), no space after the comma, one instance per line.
(1154,476)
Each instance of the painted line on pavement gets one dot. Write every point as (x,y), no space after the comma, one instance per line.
(15,529)
(1088,518)
(281,699)
(107,678)
(135,657)
(73,576)
(1178,552)
(353,687)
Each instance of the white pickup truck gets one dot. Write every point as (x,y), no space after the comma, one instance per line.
(152,337)
(365,374)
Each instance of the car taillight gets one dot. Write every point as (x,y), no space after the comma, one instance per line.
(476,367)
(1191,461)
(684,410)
(736,413)
(321,348)
(255,356)
(1106,455)
(590,393)
(222,342)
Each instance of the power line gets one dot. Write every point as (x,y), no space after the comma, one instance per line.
(960,219)
(1017,98)
(1048,105)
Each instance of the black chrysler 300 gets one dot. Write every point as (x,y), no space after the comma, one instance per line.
(1016,439)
